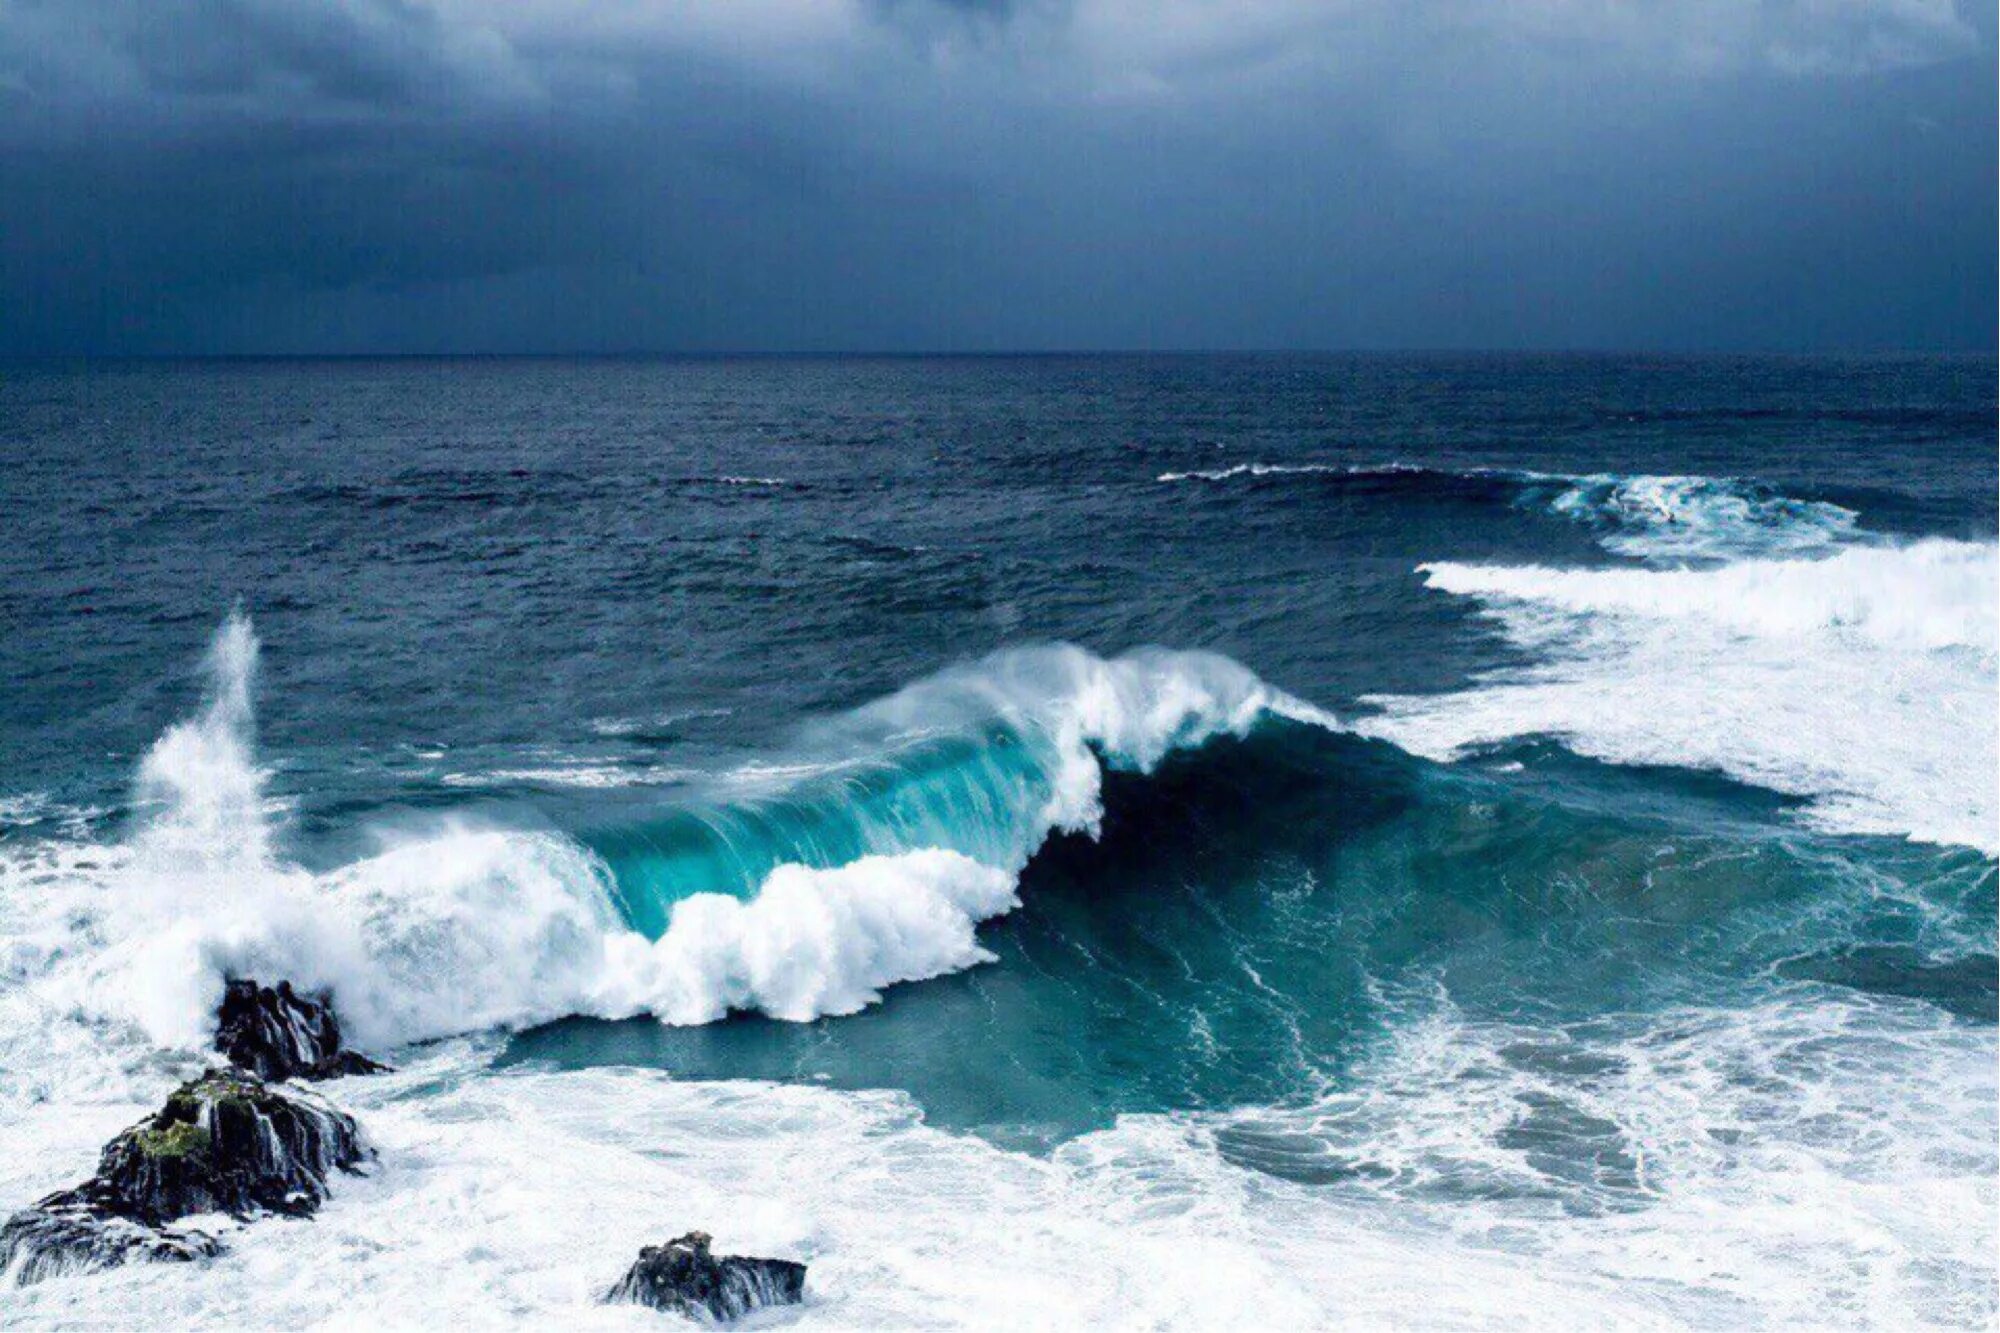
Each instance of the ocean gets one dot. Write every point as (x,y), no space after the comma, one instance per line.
(1101,841)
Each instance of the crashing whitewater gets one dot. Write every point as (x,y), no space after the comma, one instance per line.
(466,928)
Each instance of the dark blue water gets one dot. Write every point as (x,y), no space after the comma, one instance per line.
(584,598)
(501,552)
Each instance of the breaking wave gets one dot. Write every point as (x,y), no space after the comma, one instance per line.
(1641,516)
(797,889)
(1701,518)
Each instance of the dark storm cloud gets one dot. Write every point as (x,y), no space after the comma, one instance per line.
(247,50)
(386,174)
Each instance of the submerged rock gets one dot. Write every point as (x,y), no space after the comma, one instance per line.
(223,1143)
(682,1277)
(278,1034)
(68,1233)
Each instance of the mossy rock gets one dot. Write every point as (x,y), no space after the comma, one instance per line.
(228,1143)
(176,1139)
(223,1143)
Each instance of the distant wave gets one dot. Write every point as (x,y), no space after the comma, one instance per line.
(1272,470)
(657,724)
(1643,516)
(447,489)
(1675,517)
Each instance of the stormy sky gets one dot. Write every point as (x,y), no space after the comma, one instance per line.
(536,175)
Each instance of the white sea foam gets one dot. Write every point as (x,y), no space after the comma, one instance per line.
(516,1199)
(465,930)
(1798,1164)
(40,810)
(1931,595)
(1701,518)
(1803,1161)
(1864,681)
(813,941)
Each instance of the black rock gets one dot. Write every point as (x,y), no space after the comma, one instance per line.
(278,1034)
(229,1143)
(223,1143)
(682,1277)
(66,1233)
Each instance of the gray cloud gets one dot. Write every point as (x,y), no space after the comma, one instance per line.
(356,174)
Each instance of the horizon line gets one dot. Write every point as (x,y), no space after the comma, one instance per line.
(943,354)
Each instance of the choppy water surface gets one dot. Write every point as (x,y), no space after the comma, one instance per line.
(1133,841)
